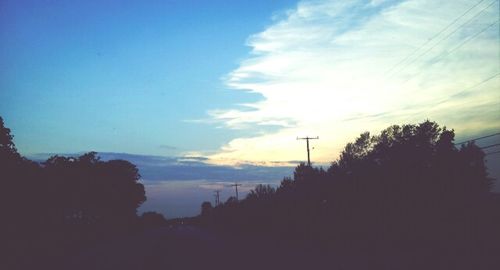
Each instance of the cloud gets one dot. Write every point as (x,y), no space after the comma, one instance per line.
(338,68)
(162,168)
(159,168)
(168,147)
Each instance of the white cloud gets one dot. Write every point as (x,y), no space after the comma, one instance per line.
(330,68)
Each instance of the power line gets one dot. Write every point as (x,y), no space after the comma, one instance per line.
(443,39)
(442,55)
(479,138)
(489,146)
(491,153)
(446,53)
(445,99)
(476,85)
(466,40)
(469,88)
(447,36)
(466,89)
(433,37)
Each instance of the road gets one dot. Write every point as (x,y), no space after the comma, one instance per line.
(190,247)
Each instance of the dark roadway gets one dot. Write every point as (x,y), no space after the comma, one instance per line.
(190,247)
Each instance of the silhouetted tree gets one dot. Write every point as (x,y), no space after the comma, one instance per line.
(51,209)
(231,201)
(7,146)
(206,208)
(286,184)
(408,190)
(86,190)
(152,219)
(261,192)
(19,194)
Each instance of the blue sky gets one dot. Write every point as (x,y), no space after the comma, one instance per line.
(238,81)
(122,75)
(231,84)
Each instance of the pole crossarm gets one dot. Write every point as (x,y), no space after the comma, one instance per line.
(307,138)
(236,185)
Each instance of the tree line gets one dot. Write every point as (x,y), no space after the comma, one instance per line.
(407,196)
(50,209)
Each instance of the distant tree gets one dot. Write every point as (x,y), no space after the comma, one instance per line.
(89,191)
(206,208)
(261,192)
(20,200)
(231,201)
(54,207)
(303,173)
(6,138)
(356,151)
(10,159)
(152,219)
(124,193)
(473,170)
(7,145)
(286,184)
(408,187)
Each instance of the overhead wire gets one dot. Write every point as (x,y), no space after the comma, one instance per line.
(444,100)
(465,41)
(490,146)
(433,37)
(491,153)
(442,55)
(443,39)
(477,84)
(478,138)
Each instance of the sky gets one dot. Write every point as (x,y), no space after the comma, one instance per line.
(234,83)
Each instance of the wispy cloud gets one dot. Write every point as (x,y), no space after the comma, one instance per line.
(167,147)
(338,68)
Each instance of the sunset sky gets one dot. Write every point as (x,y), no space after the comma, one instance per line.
(235,82)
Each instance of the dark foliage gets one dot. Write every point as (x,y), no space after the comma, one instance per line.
(404,199)
(206,208)
(152,220)
(65,203)
(261,192)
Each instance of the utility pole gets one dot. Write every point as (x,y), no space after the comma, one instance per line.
(308,151)
(236,185)
(217,197)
